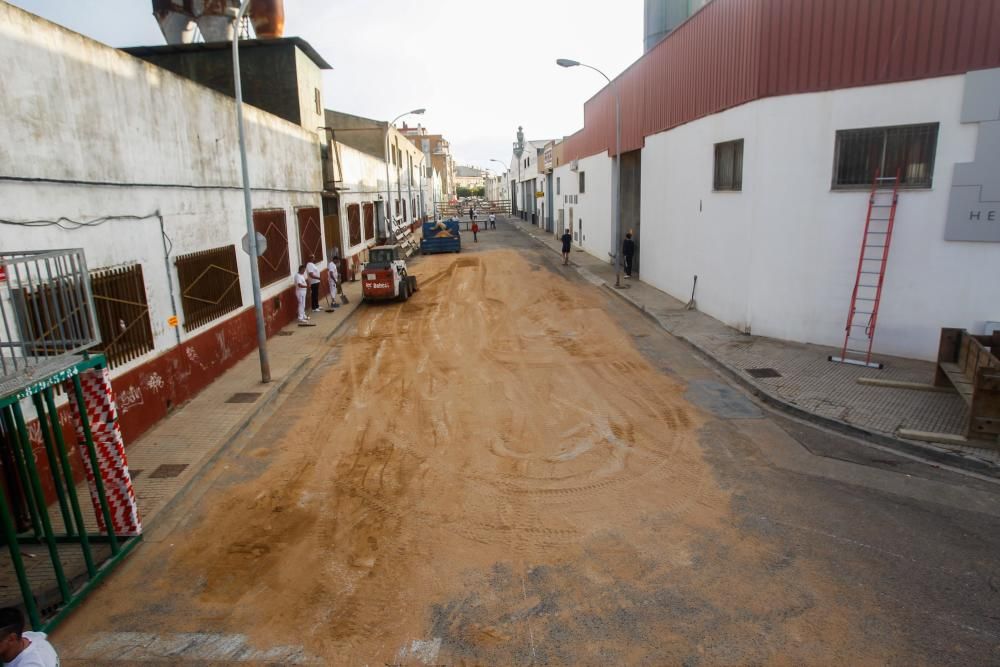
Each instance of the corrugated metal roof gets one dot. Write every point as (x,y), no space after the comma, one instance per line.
(735,51)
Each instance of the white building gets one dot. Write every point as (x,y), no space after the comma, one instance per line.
(753,174)
(140,168)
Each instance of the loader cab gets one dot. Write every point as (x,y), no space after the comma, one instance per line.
(383,256)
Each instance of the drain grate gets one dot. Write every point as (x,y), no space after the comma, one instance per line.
(243,397)
(763,372)
(168,470)
(284,333)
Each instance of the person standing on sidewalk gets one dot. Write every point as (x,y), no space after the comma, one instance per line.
(472,213)
(628,252)
(23,648)
(300,293)
(333,278)
(567,240)
(475,232)
(312,272)
(493,220)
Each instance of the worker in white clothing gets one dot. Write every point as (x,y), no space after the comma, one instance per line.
(312,274)
(333,278)
(301,286)
(21,647)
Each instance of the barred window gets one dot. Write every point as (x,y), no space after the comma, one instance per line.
(906,151)
(354,224)
(273,264)
(728,166)
(369,220)
(122,313)
(210,285)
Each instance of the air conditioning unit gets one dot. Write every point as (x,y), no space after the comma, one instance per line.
(575,165)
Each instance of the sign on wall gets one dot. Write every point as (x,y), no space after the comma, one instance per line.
(974,203)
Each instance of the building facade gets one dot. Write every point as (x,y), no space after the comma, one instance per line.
(753,134)
(142,171)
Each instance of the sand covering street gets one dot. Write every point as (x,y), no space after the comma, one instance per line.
(490,473)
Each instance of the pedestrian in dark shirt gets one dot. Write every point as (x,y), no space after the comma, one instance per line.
(628,252)
(567,239)
(472,212)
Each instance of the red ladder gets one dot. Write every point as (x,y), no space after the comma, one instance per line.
(861,319)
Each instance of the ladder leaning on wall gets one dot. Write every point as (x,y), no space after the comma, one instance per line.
(867,295)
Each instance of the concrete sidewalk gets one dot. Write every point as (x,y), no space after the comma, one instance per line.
(166,459)
(798,378)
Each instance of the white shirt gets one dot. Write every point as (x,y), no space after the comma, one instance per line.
(313,272)
(333,275)
(300,281)
(38,654)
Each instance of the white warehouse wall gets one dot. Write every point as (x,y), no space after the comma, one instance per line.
(779,258)
(136,140)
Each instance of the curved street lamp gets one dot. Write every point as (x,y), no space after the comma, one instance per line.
(616,190)
(388,187)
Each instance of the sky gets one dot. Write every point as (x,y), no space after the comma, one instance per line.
(480,68)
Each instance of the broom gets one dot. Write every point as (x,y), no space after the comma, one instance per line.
(691,305)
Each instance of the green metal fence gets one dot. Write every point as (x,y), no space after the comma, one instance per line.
(41,527)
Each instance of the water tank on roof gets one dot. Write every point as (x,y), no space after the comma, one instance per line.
(660,17)
(178,19)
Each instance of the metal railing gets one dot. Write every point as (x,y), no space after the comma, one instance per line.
(46,313)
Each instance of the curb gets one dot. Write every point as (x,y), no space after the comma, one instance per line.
(927,452)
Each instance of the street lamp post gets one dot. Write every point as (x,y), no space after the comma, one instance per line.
(388,186)
(616,248)
(258,305)
(502,173)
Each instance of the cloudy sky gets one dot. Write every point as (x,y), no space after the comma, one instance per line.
(480,68)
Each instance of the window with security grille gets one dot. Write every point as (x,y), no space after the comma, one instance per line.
(354,224)
(903,151)
(210,285)
(369,220)
(273,263)
(122,313)
(728,166)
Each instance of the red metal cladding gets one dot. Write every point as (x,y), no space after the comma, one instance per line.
(735,51)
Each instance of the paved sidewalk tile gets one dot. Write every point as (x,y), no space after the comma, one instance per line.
(170,454)
(798,373)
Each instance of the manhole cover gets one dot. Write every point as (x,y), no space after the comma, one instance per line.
(763,372)
(168,470)
(243,397)
(284,333)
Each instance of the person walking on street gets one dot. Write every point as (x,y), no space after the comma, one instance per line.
(567,239)
(628,252)
(333,278)
(493,220)
(313,275)
(23,648)
(475,233)
(300,293)
(472,213)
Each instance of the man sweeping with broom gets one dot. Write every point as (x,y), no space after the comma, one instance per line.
(333,278)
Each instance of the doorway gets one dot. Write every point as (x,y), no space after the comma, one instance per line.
(631,202)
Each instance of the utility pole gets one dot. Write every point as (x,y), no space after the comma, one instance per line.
(258,305)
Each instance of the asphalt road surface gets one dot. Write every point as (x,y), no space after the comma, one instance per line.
(516,468)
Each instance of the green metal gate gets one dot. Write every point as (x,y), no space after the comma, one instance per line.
(62,528)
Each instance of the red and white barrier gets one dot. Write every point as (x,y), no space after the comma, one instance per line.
(102,412)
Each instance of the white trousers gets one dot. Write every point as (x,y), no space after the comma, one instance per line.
(300,296)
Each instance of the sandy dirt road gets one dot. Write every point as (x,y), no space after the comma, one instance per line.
(491,473)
